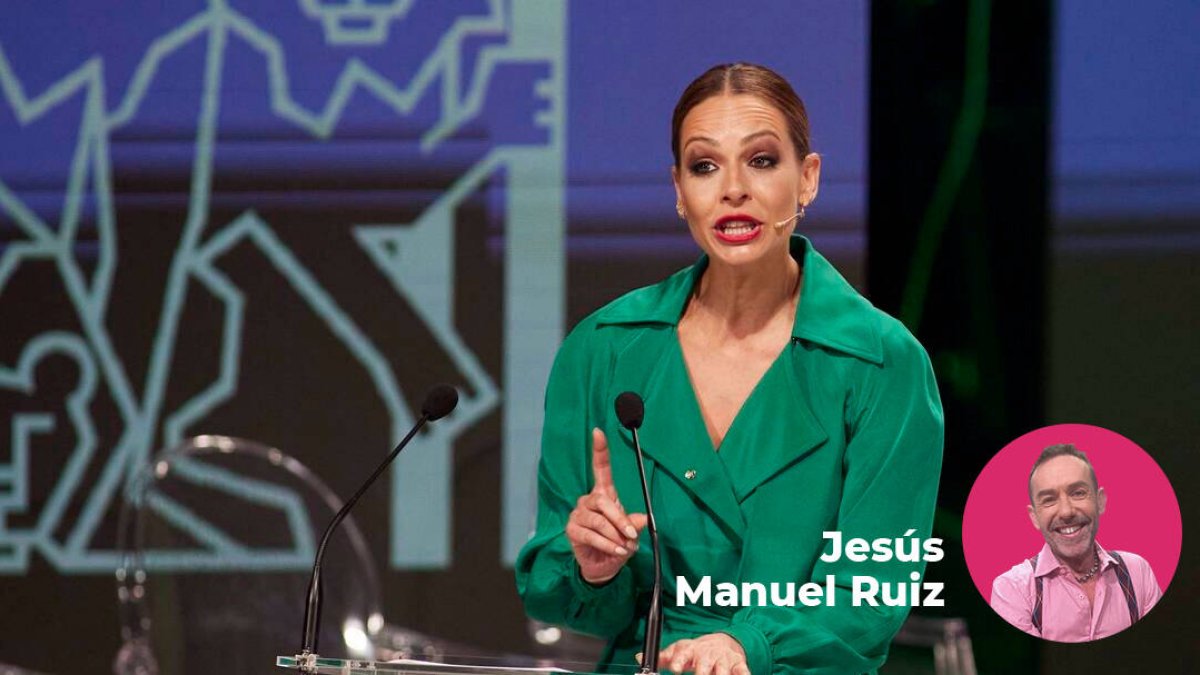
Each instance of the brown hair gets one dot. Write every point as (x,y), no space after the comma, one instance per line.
(1058,450)
(745,78)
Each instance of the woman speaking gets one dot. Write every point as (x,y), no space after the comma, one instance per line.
(781,407)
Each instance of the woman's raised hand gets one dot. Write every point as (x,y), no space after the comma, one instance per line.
(602,536)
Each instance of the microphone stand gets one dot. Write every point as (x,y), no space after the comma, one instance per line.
(312,610)
(653,641)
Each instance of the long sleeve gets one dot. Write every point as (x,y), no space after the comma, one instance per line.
(891,466)
(547,574)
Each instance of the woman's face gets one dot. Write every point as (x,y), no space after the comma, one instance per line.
(739,175)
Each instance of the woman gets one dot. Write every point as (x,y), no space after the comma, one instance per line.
(779,405)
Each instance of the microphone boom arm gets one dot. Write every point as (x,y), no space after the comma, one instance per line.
(653,641)
(312,609)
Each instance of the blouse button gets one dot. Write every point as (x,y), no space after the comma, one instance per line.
(689,474)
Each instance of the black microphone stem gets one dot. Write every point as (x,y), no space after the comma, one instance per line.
(653,640)
(312,610)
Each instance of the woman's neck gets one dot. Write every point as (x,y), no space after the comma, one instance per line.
(744,299)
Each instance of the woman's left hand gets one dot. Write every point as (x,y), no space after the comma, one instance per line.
(712,654)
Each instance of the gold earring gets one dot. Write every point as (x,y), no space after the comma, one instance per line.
(679,210)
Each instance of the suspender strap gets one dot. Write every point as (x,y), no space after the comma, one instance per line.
(1037,602)
(1123,580)
(1126,588)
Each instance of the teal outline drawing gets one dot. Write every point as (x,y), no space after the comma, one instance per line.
(533,31)
(340,18)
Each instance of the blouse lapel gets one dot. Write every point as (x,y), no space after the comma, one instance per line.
(673,435)
(774,429)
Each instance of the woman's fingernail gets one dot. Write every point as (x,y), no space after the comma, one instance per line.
(633,544)
(630,532)
(621,551)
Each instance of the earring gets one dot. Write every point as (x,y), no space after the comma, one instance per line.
(679,210)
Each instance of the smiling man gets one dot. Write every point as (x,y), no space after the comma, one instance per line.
(1073,590)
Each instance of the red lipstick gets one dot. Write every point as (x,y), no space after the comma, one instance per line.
(737,228)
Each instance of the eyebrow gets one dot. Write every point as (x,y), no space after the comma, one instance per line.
(746,139)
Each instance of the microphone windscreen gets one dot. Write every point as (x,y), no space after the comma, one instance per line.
(439,402)
(630,410)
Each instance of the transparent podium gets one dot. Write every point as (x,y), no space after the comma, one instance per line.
(464,666)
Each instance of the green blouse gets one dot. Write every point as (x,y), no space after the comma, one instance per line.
(843,432)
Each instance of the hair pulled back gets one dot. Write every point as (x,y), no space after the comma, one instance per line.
(745,78)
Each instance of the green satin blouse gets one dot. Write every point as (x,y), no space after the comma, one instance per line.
(843,432)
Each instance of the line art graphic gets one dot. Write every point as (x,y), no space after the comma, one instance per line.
(484,106)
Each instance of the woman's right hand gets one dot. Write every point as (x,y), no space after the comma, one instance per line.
(602,536)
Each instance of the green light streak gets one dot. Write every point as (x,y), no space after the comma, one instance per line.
(959,155)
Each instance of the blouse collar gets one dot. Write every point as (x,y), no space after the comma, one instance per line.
(830,312)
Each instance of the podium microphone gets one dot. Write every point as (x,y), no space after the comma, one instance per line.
(439,401)
(630,412)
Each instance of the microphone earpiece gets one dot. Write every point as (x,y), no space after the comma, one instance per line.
(796,216)
(783,223)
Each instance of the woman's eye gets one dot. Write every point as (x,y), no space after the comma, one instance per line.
(702,167)
(763,162)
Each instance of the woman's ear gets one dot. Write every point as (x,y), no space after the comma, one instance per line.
(678,193)
(810,178)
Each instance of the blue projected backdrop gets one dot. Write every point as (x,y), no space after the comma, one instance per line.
(208,133)
(1125,143)
(284,220)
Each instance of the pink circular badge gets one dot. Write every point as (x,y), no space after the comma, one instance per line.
(1141,515)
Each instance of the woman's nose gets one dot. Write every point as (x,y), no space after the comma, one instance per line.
(735,186)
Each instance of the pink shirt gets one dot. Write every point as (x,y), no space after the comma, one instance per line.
(1066,614)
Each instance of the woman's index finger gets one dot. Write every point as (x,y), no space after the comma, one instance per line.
(602,464)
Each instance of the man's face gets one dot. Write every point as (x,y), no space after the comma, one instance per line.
(1066,507)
